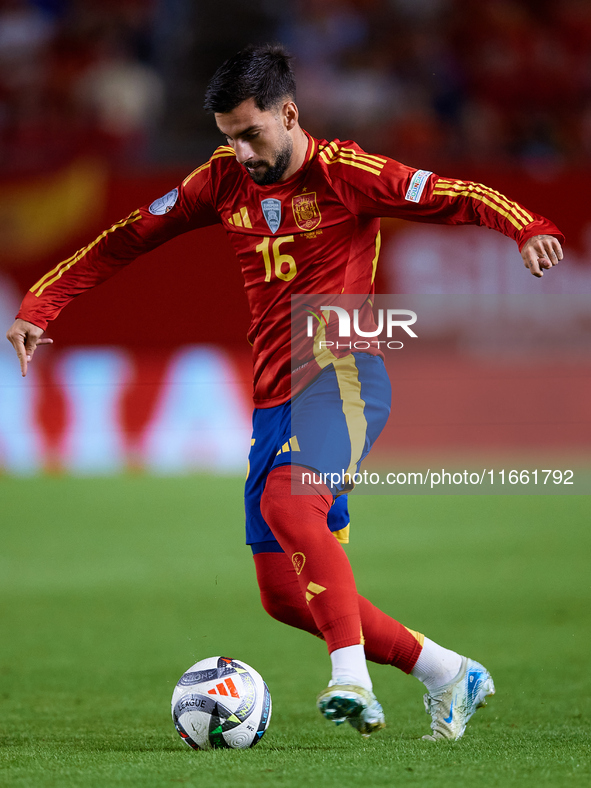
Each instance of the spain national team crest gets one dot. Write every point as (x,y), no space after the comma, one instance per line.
(305,211)
(272,213)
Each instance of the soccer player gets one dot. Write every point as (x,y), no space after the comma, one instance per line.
(303,217)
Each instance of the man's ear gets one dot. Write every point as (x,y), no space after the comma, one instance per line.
(289,114)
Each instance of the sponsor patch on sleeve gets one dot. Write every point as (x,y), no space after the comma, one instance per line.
(164,204)
(417,184)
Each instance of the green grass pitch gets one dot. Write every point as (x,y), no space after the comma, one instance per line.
(111,588)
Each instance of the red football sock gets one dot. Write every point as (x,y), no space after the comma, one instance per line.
(324,574)
(386,641)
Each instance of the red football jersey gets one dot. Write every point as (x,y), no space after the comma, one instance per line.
(317,232)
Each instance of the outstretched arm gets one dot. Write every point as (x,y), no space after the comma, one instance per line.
(380,186)
(463,202)
(188,207)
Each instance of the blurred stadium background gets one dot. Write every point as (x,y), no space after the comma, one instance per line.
(100,112)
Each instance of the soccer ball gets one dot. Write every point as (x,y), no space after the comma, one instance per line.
(221,702)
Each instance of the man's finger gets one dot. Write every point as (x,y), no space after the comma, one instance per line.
(30,345)
(19,346)
(532,263)
(28,349)
(548,256)
(555,247)
(17,342)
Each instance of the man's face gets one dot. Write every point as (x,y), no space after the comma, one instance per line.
(260,139)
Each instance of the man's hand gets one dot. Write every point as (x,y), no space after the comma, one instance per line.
(25,337)
(541,251)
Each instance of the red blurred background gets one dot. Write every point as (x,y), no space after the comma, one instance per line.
(100,113)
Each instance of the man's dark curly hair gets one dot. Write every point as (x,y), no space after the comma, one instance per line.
(263,73)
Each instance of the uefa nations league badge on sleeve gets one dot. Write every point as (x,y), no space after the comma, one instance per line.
(164,204)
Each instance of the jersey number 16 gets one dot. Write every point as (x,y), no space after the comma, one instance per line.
(285,265)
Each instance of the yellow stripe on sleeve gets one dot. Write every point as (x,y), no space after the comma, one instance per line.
(480,187)
(53,271)
(56,273)
(519,212)
(481,198)
(350,156)
(369,157)
(196,172)
(359,165)
(364,161)
(220,153)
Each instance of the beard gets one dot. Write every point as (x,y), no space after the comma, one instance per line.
(273,172)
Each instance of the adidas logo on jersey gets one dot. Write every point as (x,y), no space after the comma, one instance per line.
(241,219)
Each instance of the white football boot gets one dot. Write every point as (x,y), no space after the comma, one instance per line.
(348,702)
(452,705)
